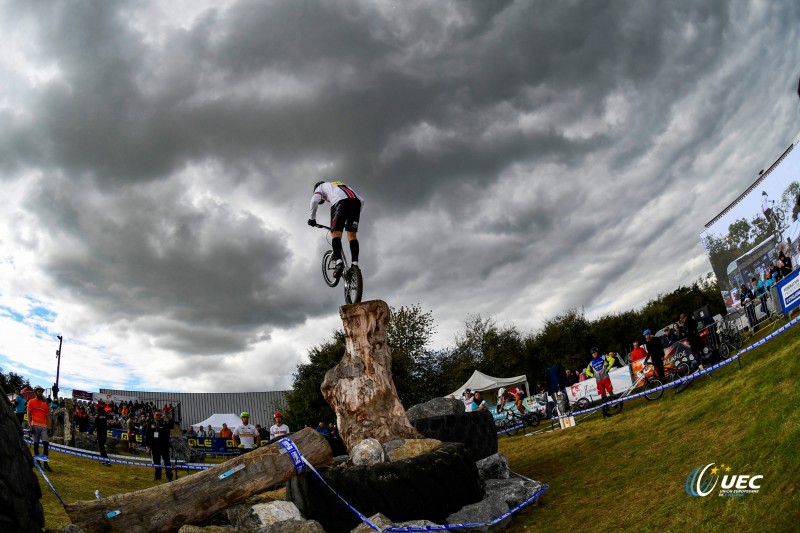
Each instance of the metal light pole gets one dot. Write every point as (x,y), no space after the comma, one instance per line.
(58,366)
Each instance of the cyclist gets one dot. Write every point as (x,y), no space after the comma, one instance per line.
(767,209)
(246,436)
(345,213)
(598,368)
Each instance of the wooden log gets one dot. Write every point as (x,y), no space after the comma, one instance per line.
(360,388)
(196,498)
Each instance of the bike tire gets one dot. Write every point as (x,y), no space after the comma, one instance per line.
(724,350)
(511,427)
(737,341)
(682,370)
(532,420)
(683,386)
(328,268)
(612,410)
(651,389)
(353,285)
(582,403)
(779,214)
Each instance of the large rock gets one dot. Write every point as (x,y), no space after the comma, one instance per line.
(294,526)
(513,491)
(479,513)
(253,518)
(435,407)
(378,519)
(493,467)
(85,441)
(183,452)
(409,448)
(206,529)
(368,452)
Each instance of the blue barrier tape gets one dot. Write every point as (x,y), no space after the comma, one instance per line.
(39,467)
(294,454)
(77,452)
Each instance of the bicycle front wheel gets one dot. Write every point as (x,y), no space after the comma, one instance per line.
(512,426)
(611,410)
(724,350)
(353,285)
(328,268)
(737,341)
(682,370)
(652,390)
(532,420)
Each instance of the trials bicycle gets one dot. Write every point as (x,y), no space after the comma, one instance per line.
(514,421)
(652,391)
(353,281)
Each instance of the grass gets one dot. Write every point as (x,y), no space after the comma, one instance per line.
(625,473)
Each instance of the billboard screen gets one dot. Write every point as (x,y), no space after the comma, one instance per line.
(748,236)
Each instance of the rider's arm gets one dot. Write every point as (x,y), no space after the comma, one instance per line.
(589,371)
(316,199)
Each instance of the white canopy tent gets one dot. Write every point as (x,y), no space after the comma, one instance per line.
(216,420)
(479,381)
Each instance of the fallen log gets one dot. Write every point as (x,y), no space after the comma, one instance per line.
(196,498)
(360,388)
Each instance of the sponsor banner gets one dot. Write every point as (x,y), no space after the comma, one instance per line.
(211,445)
(113,398)
(672,356)
(81,395)
(789,291)
(620,381)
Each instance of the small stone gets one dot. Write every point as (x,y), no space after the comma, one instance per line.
(378,519)
(293,526)
(277,511)
(413,448)
(512,491)
(368,452)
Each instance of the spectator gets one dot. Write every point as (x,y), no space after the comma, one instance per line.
(656,353)
(201,433)
(225,432)
(278,429)
(478,403)
(689,331)
(246,435)
(466,397)
(39,421)
(210,432)
(670,337)
(638,352)
(784,265)
(262,431)
(19,406)
(332,431)
(322,429)
(572,378)
(101,430)
(158,442)
(598,369)
(581,376)
(131,427)
(191,432)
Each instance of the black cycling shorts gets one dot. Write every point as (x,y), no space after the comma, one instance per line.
(345,214)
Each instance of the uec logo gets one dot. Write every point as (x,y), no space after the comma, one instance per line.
(697,484)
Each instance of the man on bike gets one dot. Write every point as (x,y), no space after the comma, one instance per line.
(345,213)
(598,368)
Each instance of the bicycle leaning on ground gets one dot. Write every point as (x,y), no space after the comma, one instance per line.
(353,281)
(652,391)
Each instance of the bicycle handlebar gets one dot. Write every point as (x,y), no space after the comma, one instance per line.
(323,227)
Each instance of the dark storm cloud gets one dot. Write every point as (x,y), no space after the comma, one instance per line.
(518,158)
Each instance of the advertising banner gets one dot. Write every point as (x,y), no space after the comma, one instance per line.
(751,233)
(789,291)
(113,398)
(620,381)
(81,395)
(212,445)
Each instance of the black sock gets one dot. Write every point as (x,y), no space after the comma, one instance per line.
(354,250)
(46,449)
(336,242)
(35,448)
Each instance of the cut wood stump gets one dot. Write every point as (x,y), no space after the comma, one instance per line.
(196,498)
(360,388)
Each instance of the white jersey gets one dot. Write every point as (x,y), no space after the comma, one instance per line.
(278,431)
(247,434)
(331,192)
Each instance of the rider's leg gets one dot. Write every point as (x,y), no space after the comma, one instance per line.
(336,243)
(352,236)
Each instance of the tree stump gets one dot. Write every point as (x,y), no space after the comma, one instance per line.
(196,498)
(360,388)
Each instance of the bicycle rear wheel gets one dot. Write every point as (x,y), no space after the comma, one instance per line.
(724,350)
(614,409)
(353,285)
(328,268)
(532,420)
(512,426)
(682,370)
(737,341)
(652,390)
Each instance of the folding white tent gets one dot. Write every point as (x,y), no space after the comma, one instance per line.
(479,381)
(217,419)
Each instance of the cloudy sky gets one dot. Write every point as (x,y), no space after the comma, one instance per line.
(518,159)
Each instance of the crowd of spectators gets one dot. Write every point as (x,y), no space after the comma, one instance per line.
(131,416)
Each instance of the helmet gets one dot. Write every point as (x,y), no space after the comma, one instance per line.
(317,184)
(244,414)
(594,350)
(38,387)
(277,415)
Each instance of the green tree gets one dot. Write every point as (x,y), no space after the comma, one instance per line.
(305,404)
(12,381)
(415,368)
